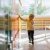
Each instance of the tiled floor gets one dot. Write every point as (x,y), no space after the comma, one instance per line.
(41,41)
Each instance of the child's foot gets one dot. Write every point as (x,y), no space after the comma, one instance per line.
(32,42)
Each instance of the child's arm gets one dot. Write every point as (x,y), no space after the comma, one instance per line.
(22,19)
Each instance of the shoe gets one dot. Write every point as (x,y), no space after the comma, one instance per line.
(32,42)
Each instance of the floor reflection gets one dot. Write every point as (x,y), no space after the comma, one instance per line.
(31,47)
(40,41)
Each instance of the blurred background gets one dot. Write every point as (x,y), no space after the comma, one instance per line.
(13,31)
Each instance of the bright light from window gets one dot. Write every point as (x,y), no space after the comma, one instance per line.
(26,8)
(27,2)
(5,3)
(47,3)
(17,1)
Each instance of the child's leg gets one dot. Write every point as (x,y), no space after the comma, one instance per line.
(32,36)
(29,35)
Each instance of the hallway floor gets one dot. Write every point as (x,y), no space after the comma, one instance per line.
(41,41)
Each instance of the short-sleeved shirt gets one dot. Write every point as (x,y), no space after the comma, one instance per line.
(30,25)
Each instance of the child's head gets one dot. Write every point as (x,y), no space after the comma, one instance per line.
(31,16)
